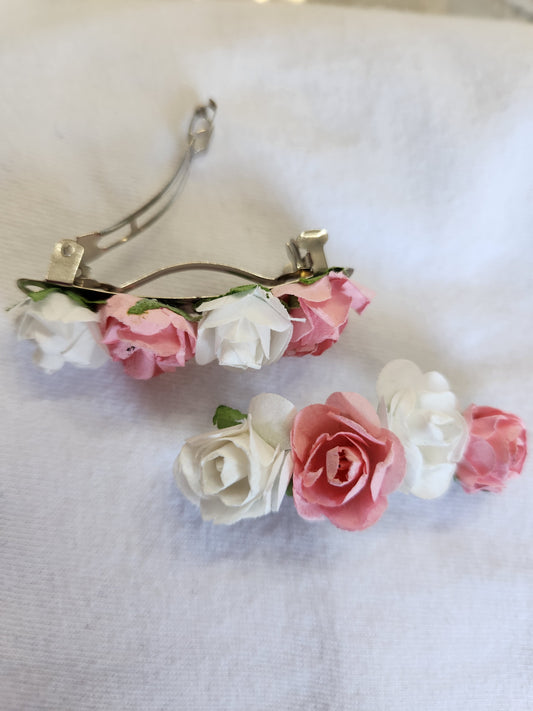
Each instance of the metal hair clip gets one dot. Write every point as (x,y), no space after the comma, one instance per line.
(75,318)
(69,264)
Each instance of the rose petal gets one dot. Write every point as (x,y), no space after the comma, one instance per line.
(154,342)
(272,417)
(243,330)
(358,513)
(344,462)
(495,451)
(397,375)
(234,473)
(421,410)
(356,408)
(63,332)
(322,313)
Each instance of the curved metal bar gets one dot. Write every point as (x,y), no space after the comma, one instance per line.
(209,266)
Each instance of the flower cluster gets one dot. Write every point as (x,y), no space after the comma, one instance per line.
(341,460)
(247,328)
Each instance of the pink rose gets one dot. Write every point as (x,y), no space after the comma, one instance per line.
(495,451)
(323,311)
(345,463)
(154,342)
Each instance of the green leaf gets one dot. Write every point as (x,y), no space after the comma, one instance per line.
(42,294)
(236,290)
(289,489)
(45,291)
(227,417)
(144,305)
(240,289)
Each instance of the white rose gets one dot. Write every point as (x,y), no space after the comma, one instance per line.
(244,330)
(63,332)
(242,471)
(423,413)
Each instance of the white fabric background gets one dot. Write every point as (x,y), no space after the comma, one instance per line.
(411,139)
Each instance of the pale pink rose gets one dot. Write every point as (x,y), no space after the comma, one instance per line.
(323,311)
(157,341)
(495,452)
(345,463)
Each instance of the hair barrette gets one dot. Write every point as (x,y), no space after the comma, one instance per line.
(72,317)
(342,459)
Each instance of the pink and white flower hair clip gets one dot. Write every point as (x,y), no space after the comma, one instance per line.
(342,459)
(339,460)
(73,318)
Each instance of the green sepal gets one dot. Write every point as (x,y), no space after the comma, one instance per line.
(144,305)
(243,288)
(37,296)
(289,489)
(240,289)
(227,417)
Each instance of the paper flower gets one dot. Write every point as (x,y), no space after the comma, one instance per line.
(322,311)
(422,411)
(345,463)
(248,329)
(154,342)
(495,452)
(63,332)
(242,471)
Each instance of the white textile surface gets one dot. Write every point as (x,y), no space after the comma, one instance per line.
(409,138)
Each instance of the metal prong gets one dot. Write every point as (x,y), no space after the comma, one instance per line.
(65,261)
(201,126)
(297,260)
(307,251)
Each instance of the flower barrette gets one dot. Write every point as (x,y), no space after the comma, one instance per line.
(74,318)
(340,460)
